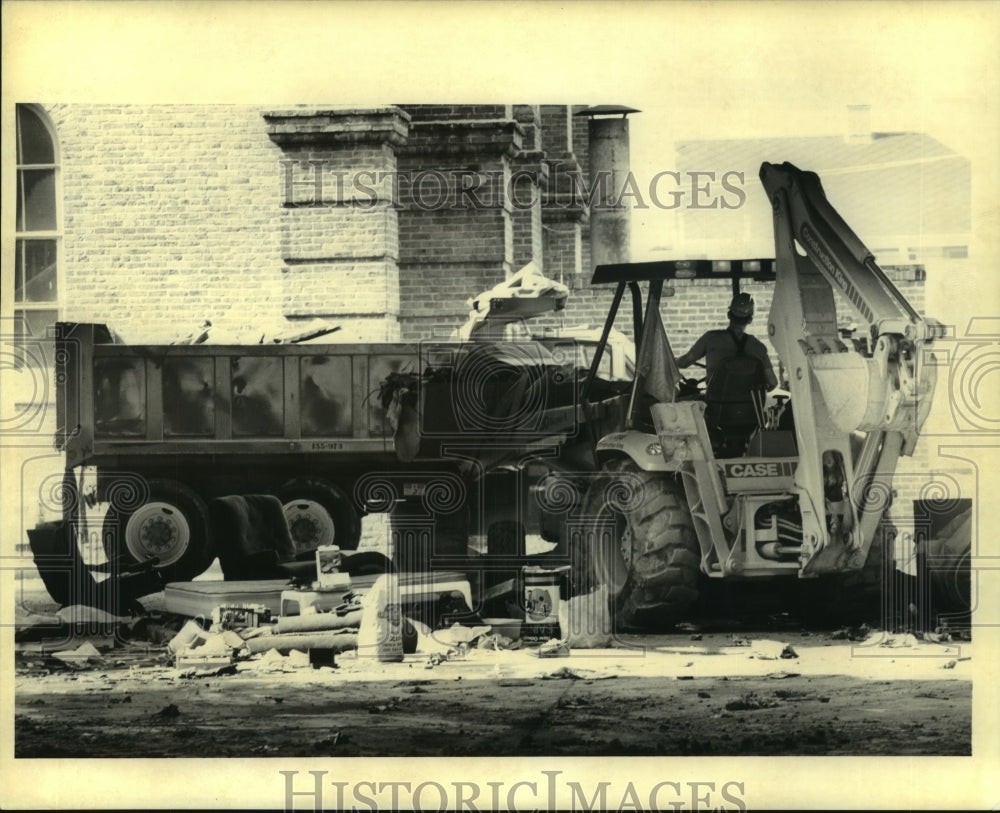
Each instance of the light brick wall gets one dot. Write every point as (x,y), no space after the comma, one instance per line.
(170,217)
(339,224)
(453,246)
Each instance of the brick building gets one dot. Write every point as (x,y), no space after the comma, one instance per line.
(382,220)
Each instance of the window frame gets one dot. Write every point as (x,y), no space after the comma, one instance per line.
(21,309)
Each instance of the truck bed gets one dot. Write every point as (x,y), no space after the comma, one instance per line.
(119,401)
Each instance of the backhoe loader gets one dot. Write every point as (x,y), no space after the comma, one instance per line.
(806,496)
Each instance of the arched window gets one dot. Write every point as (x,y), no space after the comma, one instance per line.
(38,230)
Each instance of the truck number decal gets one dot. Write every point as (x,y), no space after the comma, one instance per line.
(326,446)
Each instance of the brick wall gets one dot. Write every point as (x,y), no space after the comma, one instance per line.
(339,223)
(456,219)
(170,217)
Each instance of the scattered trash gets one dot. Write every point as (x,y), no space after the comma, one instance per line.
(298,658)
(585,620)
(271,661)
(32,626)
(314,622)
(790,694)
(209,667)
(186,661)
(784,675)
(565,673)
(168,712)
(454,654)
(330,742)
(696,637)
(497,642)
(239,616)
(513,682)
(84,615)
(766,650)
(899,641)
(189,636)
(384,707)
(751,702)
(233,640)
(704,695)
(458,634)
(205,654)
(851,633)
(554,648)
(83,654)
(337,640)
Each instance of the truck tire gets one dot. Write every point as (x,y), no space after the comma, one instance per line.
(652,568)
(946,561)
(172,524)
(319,513)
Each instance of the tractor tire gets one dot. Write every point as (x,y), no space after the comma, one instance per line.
(946,561)
(651,562)
(319,513)
(172,525)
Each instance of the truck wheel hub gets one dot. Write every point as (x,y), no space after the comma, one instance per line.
(309,524)
(157,529)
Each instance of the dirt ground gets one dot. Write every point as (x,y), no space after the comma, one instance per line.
(714,694)
(714,688)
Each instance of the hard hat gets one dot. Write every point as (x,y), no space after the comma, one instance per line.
(741,307)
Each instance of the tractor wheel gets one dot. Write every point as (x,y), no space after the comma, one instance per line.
(172,525)
(946,560)
(318,513)
(643,545)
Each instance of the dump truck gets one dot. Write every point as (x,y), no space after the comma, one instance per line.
(438,434)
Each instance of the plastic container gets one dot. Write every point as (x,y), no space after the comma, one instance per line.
(541,595)
(541,604)
(328,564)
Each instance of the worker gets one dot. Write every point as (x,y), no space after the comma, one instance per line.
(738,369)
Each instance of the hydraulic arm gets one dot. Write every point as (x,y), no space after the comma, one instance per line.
(855,413)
